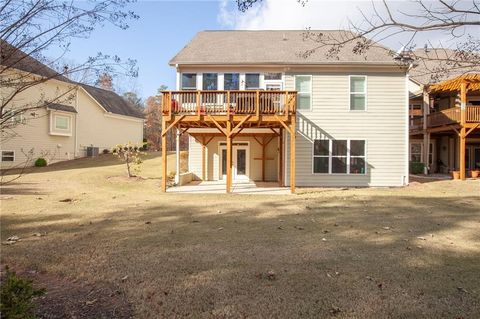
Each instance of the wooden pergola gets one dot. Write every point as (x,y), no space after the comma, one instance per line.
(467,122)
(230,112)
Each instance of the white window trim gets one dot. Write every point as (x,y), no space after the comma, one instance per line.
(1,156)
(259,81)
(330,157)
(350,92)
(310,91)
(60,132)
(196,81)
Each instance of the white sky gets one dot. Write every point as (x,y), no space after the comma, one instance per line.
(321,14)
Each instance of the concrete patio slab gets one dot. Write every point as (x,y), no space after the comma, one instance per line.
(243,187)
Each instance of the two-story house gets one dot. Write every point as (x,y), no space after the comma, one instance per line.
(257,109)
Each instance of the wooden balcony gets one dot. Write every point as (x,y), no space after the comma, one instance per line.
(229,103)
(447,117)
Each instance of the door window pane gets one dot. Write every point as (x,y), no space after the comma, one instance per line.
(241,162)
(224,162)
(189,81)
(252,81)
(231,81)
(210,81)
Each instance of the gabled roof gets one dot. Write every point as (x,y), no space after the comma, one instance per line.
(273,47)
(109,100)
(112,102)
(432,66)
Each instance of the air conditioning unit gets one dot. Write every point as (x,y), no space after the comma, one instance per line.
(92,151)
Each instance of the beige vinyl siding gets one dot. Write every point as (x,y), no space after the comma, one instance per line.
(382,125)
(35,136)
(97,128)
(213,156)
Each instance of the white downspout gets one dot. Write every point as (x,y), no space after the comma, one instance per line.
(76,124)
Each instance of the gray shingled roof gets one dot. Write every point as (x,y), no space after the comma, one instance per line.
(431,66)
(109,100)
(271,47)
(62,107)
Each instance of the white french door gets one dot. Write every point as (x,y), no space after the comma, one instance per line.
(240,161)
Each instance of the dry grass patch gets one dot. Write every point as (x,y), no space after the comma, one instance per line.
(355,253)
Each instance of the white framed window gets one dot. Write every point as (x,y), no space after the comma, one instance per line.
(358,92)
(303,86)
(189,81)
(252,81)
(8,156)
(231,81)
(210,81)
(339,157)
(60,124)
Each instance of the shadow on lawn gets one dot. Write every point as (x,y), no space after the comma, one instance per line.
(359,257)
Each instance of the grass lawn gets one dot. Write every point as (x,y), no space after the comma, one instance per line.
(107,247)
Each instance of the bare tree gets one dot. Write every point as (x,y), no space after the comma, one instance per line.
(458,21)
(30,28)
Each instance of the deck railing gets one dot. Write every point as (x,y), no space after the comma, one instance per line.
(447,116)
(229,102)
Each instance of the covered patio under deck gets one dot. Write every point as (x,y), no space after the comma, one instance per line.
(229,117)
(238,187)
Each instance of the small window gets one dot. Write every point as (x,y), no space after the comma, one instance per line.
(189,81)
(273,76)
(62,123)
(231,81)
(210,81)
(357,157)
(252,81)
(8,156)
(358,93)
(303,85)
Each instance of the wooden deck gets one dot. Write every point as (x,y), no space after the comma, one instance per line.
(230,112)
(446,118)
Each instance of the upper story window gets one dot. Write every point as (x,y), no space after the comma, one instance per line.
(62,122)
(189,81)
(273,76)
(231,81)
(358,92)
(252,81)
(8,156)
(210,81)
(303,85)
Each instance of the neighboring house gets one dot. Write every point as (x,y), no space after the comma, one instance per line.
(72,117)
(337,121)
(436,120)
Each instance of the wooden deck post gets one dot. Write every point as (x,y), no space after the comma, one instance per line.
(426,135)
(280,159)
(292,154)
(164,158)
(229,157)
(264,146)
(204,155)
(463,103)
(177,155)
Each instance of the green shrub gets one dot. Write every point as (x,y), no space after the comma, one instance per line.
(40,162)
(417,168)
(106,151)
(16,297)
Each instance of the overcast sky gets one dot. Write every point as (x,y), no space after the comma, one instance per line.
(165,27)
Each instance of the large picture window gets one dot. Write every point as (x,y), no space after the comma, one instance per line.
(252,81)
(303,85)
(358,93)
(339,156)
(231,81)
(189,81)
(210,81)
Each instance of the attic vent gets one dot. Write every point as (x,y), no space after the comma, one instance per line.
(284,37)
